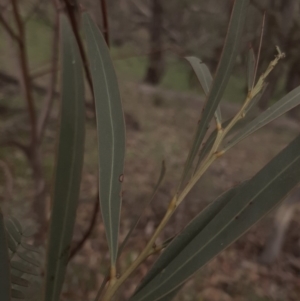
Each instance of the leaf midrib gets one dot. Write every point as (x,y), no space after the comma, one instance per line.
(113,141)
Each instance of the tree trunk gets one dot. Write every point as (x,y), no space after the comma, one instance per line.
(156,68)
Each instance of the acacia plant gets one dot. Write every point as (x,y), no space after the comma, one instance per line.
(210,232)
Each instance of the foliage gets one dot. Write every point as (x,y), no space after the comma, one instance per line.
(212,230)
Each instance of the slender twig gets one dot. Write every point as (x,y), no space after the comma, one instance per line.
(9,79)
(9,30)
(11,142)
(71,12)
(42,71)
(102,287)
(259,48)
(25,71)
(89,230)
(178,198)
(52,83)
(105,21)
(34,9)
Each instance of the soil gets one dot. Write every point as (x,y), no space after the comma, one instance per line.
(160,126)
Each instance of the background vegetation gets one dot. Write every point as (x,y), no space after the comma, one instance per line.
(162,101)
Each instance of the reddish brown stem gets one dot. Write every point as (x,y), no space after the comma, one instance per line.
(87,234)
(52,83)
(71,12)
(25,76)
(8,28)
(105,21)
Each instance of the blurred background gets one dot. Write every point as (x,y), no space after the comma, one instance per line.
(162,102)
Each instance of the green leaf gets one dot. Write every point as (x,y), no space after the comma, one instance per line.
(251,62)
(257,197)
(17,294)
(4,264)
(256,98)
(68,164)
(212,137)
(21,267)
(188,234)
(205,78)
(202,72)
(170,296)
(111,132)
(160,178)
(282,106)
(221,79)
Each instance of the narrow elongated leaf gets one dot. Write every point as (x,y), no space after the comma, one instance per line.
(250,68)
(257,197)
(188,234)
(282,106)
(160,178)
(111,132)
(239,125)
(208,144)
(211,139)
(221,79)
(68,165)
(256,99)
(202,72)
(5,289)
(205,78)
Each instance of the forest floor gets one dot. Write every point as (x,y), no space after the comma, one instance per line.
(160,125)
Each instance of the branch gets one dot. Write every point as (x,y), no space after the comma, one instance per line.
(10,142)
(25,71)
(42,71)
(71,12)
(9,30)
(105,21)
(34,10)
(89,230)
(52,82)
(143,10)
(10,79)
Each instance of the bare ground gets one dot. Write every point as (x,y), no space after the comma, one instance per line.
(160,125)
